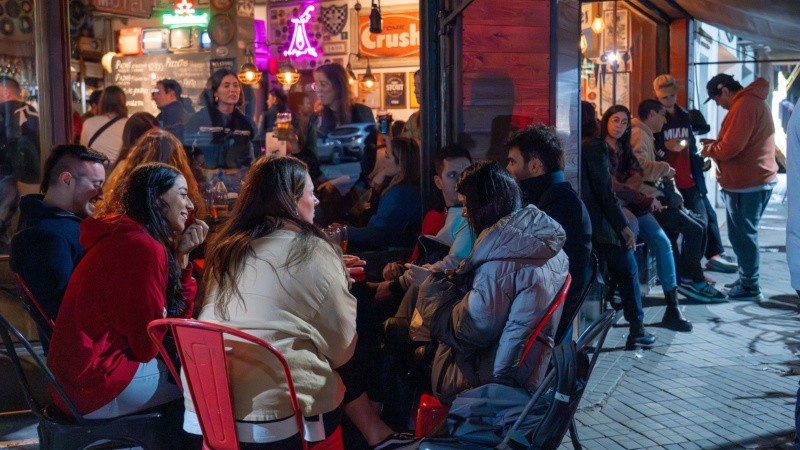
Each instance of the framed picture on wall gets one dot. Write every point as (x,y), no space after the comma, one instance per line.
(615,40)
(394,90)
(412,99)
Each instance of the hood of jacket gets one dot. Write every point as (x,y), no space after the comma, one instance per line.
(34,210)
(758,89)
(93,230)
(637,123)
(527,234)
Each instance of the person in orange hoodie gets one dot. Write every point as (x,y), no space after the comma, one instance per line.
(746,170)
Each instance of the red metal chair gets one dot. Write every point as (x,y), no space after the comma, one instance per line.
(432,413)
(201,348)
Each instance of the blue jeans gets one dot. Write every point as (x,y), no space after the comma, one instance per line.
(658,242)
(149,388)
(744,212)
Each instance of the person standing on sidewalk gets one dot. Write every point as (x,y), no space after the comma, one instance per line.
(746,170)
(688,165)
(674,219)
(793,223)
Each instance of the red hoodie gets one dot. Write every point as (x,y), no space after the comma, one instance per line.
(100,336)
(745,148)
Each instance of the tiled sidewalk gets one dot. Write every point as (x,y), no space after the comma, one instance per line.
(729,384)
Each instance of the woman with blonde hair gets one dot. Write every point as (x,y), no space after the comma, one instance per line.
(154,146)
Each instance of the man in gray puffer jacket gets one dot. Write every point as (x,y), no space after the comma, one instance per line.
(512,276)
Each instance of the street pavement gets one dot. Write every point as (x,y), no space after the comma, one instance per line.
(731,383)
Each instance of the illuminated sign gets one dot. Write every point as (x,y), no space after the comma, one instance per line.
(184,15)
(300,45)
(173,20)
(400,37)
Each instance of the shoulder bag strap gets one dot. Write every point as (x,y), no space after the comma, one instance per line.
(102,129)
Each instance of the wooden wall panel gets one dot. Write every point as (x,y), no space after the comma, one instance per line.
(506,39)
(505,69)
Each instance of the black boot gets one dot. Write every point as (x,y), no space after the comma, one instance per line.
(638,336)
(673,318)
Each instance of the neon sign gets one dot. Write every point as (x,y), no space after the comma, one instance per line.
(300,44)
(184,15)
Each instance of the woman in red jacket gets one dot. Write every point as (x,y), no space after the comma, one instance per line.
(135,269)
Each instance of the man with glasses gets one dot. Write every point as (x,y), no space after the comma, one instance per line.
(46,249)
(173,115)
(746,170)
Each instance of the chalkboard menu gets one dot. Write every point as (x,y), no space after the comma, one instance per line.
(137,76)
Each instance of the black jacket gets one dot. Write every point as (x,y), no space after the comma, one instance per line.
(46,250)
(679,125)
(604,209)
(173,118)
(226,145)
(555,196)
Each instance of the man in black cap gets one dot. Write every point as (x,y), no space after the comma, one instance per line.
(746,170)
(173,115)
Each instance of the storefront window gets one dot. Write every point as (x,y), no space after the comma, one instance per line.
(19,119)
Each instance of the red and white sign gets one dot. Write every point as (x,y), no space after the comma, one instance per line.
(400,37)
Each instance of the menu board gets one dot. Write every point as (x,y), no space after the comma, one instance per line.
(137,76)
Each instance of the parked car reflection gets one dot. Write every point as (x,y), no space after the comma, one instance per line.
(346,141)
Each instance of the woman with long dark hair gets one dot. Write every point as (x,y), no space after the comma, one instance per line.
(513,274)
(612,233)
(135,270)
(398,218)
(137,125)
(626,174)
(338,108)
(220,130)
(271,272)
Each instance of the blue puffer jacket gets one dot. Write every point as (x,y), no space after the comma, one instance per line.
(516,269)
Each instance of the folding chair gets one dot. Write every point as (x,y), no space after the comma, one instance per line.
(432,413)
(59,431)
(566,322)
(201,349)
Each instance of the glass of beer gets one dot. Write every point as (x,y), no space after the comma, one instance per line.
(338,234)
(283,126)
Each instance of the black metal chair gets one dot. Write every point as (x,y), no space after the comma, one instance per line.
(60,431)
(551,428)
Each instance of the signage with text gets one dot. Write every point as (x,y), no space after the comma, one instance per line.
(400,37)
(132,8)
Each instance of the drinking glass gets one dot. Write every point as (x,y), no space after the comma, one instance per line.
(338,234)
(283,126)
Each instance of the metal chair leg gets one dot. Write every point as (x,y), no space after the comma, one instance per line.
(573,435)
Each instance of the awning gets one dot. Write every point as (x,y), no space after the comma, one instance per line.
(772,25)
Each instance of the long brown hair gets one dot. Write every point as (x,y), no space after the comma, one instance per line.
(154,146)
(267,202)
(405,152)
(336,74)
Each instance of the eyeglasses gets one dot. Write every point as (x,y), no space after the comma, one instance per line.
(154,92)
(317,86)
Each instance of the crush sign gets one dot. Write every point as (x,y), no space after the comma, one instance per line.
(400,37)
